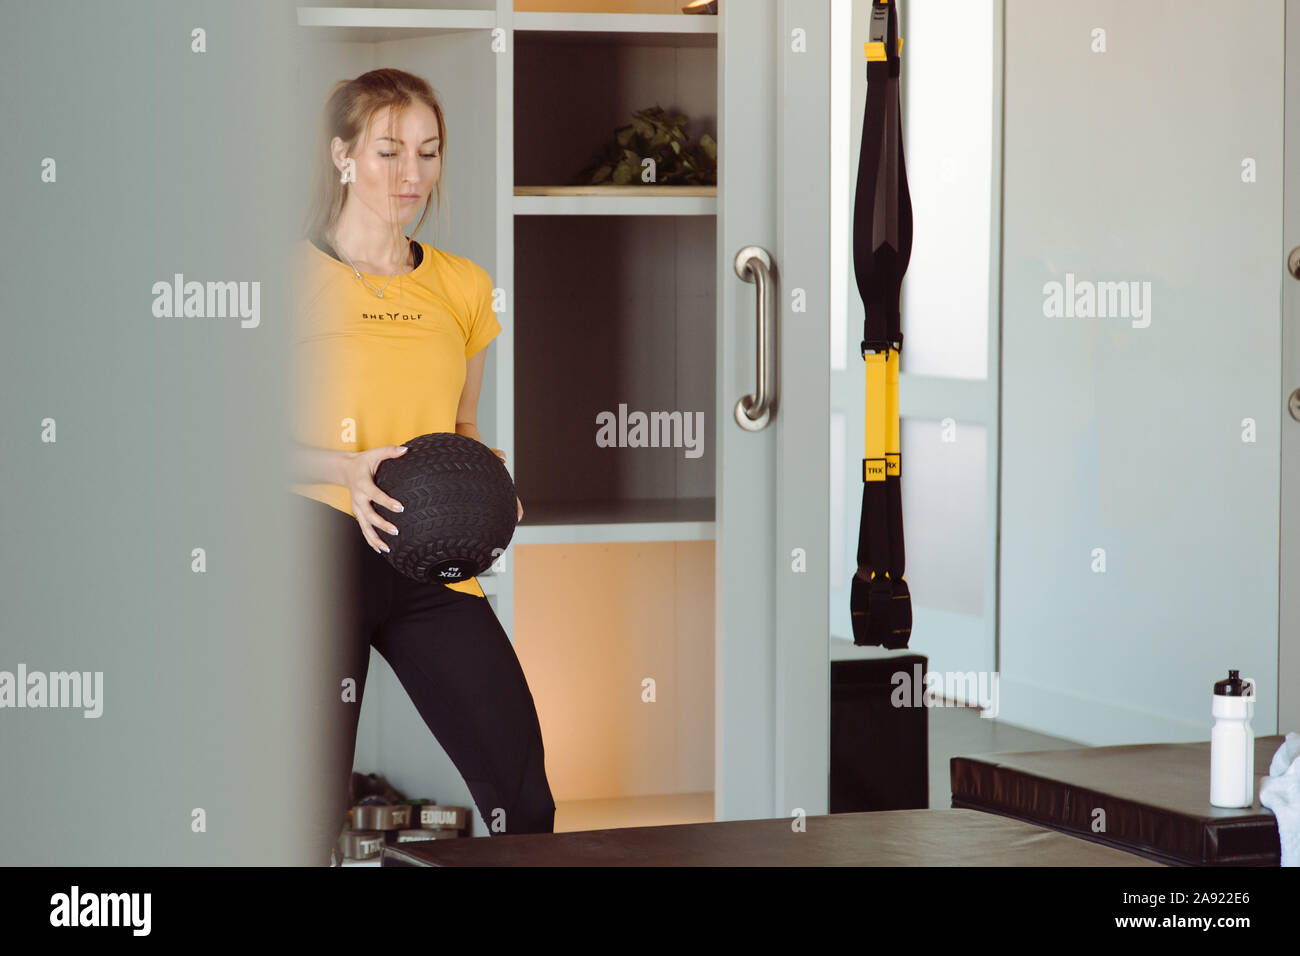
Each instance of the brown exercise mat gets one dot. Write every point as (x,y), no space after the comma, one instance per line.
(880,838)
(1156,799)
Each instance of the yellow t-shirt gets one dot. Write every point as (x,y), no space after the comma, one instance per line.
(372,371)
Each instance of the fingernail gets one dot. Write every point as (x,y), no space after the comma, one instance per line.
(394,531)
(387,549)
(400,509)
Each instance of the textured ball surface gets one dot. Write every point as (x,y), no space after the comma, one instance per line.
(459,503)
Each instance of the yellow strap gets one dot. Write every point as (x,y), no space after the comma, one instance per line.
(875,51)
(873,440)
(892,463)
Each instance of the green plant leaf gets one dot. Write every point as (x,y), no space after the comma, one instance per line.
(659,136)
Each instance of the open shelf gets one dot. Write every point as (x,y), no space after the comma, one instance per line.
(617,29)
(648,189)
(616,315)
(564,118)
(658,810)
(366,25)
(640,200)
(616,204)
(599,619)
(640,519)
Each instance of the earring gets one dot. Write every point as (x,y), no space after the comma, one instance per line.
(349,172)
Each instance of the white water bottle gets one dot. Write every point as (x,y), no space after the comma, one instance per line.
(1232,743)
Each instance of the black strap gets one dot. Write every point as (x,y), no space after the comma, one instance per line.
(880,602)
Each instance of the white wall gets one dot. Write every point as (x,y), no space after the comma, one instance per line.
(1126,165)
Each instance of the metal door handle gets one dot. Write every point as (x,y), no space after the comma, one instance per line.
(1293,267)
(753,264)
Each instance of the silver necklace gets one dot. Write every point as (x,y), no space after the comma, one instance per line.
(379,292)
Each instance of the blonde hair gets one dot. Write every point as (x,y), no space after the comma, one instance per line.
(347,113)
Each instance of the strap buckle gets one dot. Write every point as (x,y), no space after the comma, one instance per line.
(882,345)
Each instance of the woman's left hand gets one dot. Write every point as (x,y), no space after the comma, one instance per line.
(518,504)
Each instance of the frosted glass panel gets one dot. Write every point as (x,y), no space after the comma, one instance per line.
(948,114)
(842,521)
(945,507)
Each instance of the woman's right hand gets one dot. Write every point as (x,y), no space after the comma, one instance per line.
(359,477)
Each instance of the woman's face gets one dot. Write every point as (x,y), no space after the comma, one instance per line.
(396,168)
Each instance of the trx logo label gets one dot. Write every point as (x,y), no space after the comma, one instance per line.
(1098,300)
(216,300)
(102,909)
(449,573)
(873,469)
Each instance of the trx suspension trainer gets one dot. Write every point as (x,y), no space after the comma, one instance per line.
(880,603)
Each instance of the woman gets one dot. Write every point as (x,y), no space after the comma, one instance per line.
(391,343)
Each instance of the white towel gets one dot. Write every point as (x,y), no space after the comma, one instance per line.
(1285,755)
(1280,792)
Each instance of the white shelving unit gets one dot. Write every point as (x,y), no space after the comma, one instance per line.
(646,519)
(615,205)
(611,300)
(632,28)
(378,25)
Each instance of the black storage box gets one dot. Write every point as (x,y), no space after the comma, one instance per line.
(880,754)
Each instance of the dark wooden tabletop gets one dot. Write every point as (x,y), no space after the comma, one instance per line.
(1152,799)
(882,838)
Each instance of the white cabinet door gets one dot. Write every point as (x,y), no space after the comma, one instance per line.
(772,704)
(1288,658)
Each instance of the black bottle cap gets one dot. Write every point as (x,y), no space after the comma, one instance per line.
(1234,686)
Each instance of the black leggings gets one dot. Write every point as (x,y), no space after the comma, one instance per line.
(454,660)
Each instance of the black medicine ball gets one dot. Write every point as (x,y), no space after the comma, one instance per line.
(459,503)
